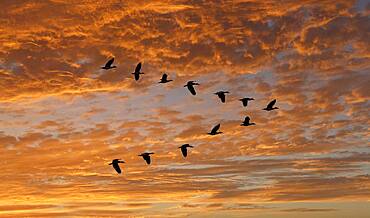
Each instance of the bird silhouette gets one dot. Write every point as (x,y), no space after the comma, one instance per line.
(108,65)
(190,85)
(115,163)
(270,106)
(146,156)
(184,149)
(245,101)
(164,79)
(137,71)
(247,122)
(215,129)
(221,95)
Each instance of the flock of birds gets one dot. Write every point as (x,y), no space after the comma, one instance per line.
(190,85)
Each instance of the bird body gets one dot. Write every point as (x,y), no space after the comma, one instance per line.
(221,95)
(247,122)
(184,149)
(215,129)
(115,163)
(164,79)
(190,85)
(137,71)
(108,65)
(245,101)
(270,106)
(146,156)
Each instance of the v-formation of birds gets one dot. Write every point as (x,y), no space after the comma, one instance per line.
(190,85)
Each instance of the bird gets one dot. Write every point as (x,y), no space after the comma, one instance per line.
(108,65)
(184,149)
(245,101)
(190,85)
(115,163)
(137,71)
(146,156)
(247,122)
(164,79)
(270,106)
(221,95)
(215,129)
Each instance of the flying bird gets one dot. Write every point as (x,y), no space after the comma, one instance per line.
(115,163)
(184,149)
(137,71)
(164,79)
(221,95)
(108,65)
(146,156)
(190,85)
(245,101)
(215,129)
(270,106)
(247,122)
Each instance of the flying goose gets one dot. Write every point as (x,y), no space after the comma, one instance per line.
(115,163)
(108,65)
(146,156)
(184,149)
(270,106)
(190,85)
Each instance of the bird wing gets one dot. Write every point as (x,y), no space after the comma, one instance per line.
(147,158)
(137,76)
(214,130)
(192,90)
(138,67)
(222,97)
(245,102)
(184,151)
(247,119)
(164,77)
(109,63)
(271,104)
(116,167)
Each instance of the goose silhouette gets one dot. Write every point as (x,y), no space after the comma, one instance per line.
(115,163)
(184,149)
(108,65)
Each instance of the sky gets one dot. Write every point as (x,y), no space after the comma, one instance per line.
(63,118)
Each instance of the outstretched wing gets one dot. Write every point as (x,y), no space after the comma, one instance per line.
(147,158)
(116,167)
(222,97)
(184,151)
(214,130)
(164,77)
(192,90)
(109,63)
(247,119)
(138,67)
(137,76)
(245,102)
(271,104)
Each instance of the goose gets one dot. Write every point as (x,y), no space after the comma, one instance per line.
(115,163)
(108,65)
(270,106)
(146,156)
(245,101)
(137,71)
(190,85)
(184,149)
(221,95)
(164,79)
(215,129)
(247,122)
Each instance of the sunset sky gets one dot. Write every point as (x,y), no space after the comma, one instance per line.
(63,118)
